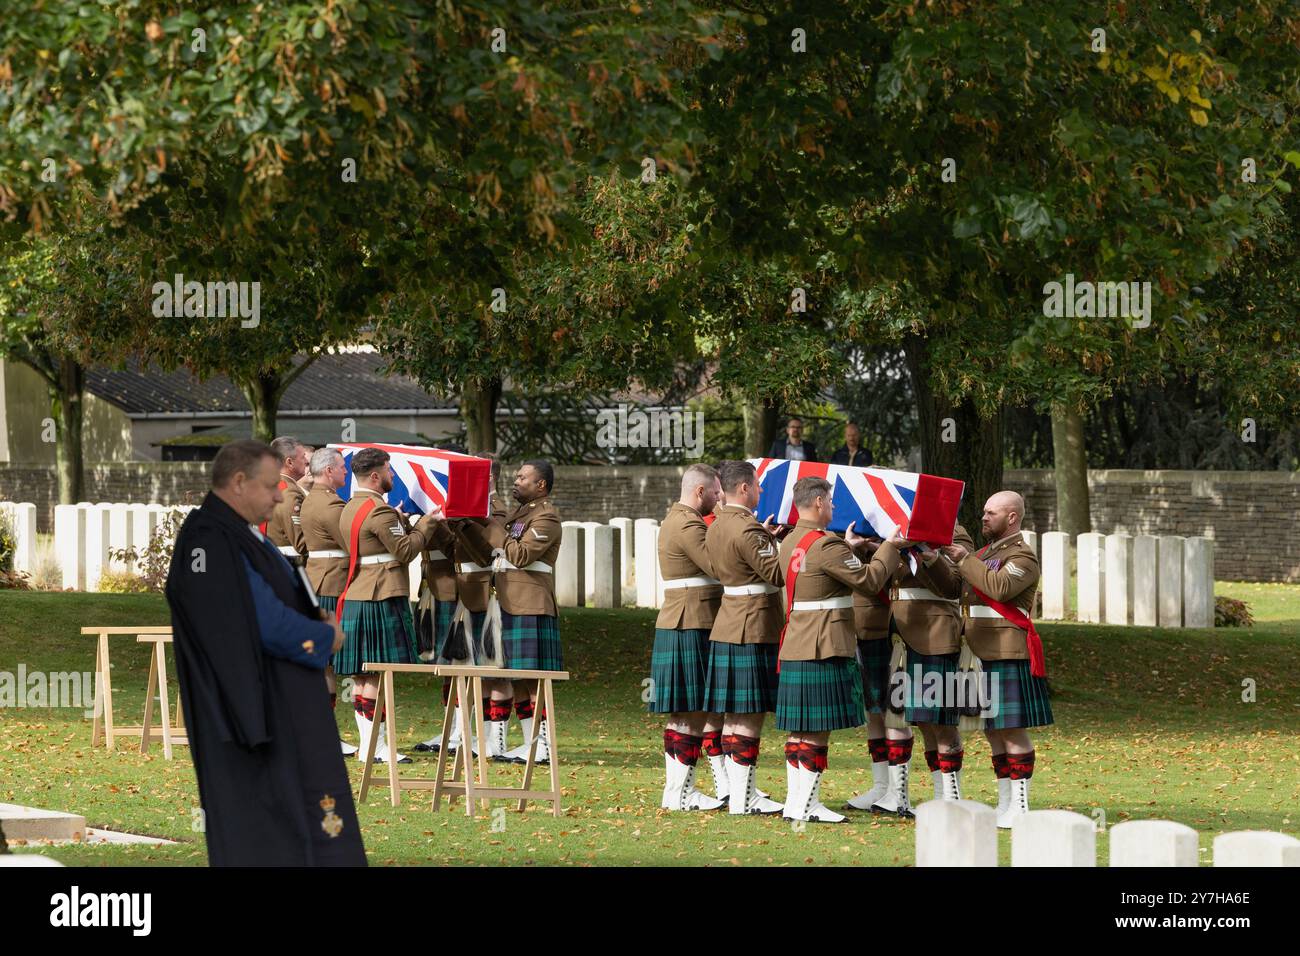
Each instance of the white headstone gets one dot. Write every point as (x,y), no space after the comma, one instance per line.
(646,550)
(570,590)
(1053,838)
(589,561)
(605,569)
(1256,848)
(1031,539)
(1146,591)
(119,532)
(1119,578)
(1169,568)
(1153,843)
(1055,563)
(70,544)
(1198,582)
(956,833)
(1092,577)
(143,522)
(22,515)
(624,526)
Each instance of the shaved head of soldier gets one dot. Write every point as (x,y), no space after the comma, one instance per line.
(812,496)
(740,482)
(701,488)
(1002,515)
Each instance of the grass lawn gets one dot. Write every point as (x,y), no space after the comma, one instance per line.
(1150,724)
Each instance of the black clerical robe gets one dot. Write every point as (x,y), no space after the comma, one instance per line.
(271,776)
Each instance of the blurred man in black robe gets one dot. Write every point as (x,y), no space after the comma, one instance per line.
(251,646)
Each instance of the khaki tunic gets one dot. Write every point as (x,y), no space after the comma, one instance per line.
(830,570)
(741,552)
(682,554)
(438,564)
(285,527)
(929,626)
(321,510)
(1007,571)
(531,532)
(384,532)
(473,588)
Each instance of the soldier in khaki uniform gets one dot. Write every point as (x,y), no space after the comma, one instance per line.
(820,687)
(327,549)
(1005,572)
(528,539)
(284,527)
(679,662)
(375,606)
(741,682)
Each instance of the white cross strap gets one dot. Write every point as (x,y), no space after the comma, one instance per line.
(327,554)
(696,582)
(740,590)
(923,594)
(825,604)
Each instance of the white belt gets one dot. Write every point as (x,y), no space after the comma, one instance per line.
(696,582)
(377,559)
(437,556)
(825,604)
(738,590)
(289,551)
(327,554)
(469,567)
(983,610)
(923,594)
(504,565)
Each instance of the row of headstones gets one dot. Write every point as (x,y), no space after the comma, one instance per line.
(965,833)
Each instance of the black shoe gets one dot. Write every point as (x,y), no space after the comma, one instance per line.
(423,748)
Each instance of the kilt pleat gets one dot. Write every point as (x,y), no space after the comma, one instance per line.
(820,695)
(443,612)
(329,604)
(380,631)
(679,667)
(919,705)
(531,642)
(741,678)
(1022,699)
(873,662)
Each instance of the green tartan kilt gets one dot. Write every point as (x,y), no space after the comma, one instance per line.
(741,679)
(1023,700)
(476,619)
(919,707)
(443,612)
(329,604)
(820,695)
(379,631)
(873,662)
(679,667)
(531,642)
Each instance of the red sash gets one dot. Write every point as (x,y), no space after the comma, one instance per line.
(792,573)
(354,541)
(262,527)
(1013,614)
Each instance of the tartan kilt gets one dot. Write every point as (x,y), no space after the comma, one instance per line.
(679,667)
(930,667)
(443,612)
(873,662)
(741,678)
(820,695)
(531,642)
(329,604)
(380,631)
(1023,699)
(476,620)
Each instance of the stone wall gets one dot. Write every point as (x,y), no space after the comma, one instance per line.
(1254,517)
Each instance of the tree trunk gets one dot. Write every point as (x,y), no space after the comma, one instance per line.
(1070,470)
(956,442)
(66,406)
(760,427)
(263,396)
(478,408)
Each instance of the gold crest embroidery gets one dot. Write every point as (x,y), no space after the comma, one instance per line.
(331,823)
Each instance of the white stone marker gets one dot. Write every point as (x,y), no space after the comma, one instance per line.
(1055,564)
(1198,582)
(646,551)
(569,587)
(1053,838)
(1031,539)
(70,544)
(956,833)
(1092,577)
(624,526)
(1119,578)
(606,570)
(589,561)
(23,516)
(1169,568)
(1153,843)
(143,523)
(1256,848)
(1146,592)
(97,542)
(119,532)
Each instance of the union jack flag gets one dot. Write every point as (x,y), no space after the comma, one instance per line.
(460,485)
(878,501)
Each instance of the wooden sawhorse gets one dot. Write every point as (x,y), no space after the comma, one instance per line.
(102,728)
(386,704)
(169,733)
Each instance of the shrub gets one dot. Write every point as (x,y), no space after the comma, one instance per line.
(122,582)
(1231,613)
(8,541)
(15,581)
(151,562)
